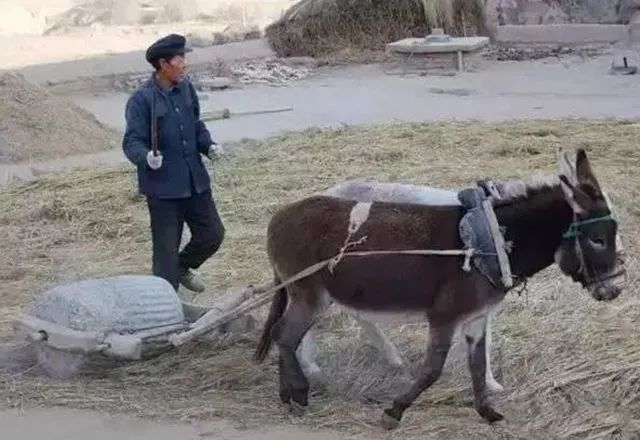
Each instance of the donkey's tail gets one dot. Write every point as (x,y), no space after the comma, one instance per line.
(278,306)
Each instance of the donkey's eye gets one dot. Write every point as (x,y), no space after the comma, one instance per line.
(598,242)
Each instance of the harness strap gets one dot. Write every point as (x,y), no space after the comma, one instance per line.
(574,228)
(499,243)
(264,297)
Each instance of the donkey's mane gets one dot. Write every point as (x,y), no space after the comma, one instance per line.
(515,190)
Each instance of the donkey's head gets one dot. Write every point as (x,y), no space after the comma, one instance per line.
(589,252)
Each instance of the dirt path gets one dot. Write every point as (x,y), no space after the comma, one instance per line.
(367,94)
(135,62)
(59,424)
(544,89)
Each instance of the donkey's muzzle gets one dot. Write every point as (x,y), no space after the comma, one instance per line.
(609,288)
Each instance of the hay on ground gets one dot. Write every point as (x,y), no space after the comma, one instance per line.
(36,125)
(320,27)
(570,365)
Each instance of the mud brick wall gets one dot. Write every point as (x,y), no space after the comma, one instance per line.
(527,12)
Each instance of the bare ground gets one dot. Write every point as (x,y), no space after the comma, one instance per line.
(64,424)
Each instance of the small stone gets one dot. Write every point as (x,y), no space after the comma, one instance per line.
(215,83)
(200,39)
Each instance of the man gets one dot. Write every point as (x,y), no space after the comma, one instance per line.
(165,139)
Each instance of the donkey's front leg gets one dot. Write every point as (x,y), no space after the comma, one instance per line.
(439,344)
(306,354)
(476,336)
(381,342)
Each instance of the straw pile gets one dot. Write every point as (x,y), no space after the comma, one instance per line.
(36,125)
(570,365)
(319,27)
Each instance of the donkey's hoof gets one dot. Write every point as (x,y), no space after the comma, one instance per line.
(317,380)
(296,409)
(490,414)
(389,422)
(494,387)
(285,397)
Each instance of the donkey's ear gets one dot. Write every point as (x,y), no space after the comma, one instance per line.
(574,196)
(585,174)
(566,165)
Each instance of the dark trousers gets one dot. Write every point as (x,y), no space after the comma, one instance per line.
(167,221)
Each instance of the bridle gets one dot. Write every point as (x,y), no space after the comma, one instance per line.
(574,228)
(574,233)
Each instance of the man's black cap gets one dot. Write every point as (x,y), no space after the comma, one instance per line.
(167,47)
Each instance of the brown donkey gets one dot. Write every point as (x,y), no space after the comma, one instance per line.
(567,221)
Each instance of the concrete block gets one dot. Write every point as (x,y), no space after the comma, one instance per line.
(562,33)
(634,32)
(420,45)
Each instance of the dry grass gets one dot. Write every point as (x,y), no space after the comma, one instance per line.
(319,27)
(571,366)
(36,125)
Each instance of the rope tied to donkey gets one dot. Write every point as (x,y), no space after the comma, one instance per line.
(466,253)
(264,294)
(344,252)
(347,245)
(358,216)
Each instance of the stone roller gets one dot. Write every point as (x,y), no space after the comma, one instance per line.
(129,317)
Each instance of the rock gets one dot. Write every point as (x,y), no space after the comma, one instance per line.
(121,304)
(301,61)
(16,19)
(200,39)
(214,83)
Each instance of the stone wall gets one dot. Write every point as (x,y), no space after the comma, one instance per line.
(534,12)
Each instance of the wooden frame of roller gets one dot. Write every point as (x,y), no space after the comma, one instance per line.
(131,347)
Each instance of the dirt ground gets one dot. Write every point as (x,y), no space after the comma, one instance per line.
(378,93)
(571,86)
(64,424)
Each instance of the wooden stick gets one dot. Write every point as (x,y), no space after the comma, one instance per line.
(154,125)
(65,339)
(226,113)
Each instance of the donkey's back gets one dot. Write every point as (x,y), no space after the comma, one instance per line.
(373,190)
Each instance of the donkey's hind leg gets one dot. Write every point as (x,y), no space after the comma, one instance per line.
(475,332)
(492,384)
(440,337)
(304,308)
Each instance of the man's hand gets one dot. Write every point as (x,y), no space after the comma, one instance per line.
(215,152)
(154,162)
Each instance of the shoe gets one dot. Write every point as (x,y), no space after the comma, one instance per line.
(192,281)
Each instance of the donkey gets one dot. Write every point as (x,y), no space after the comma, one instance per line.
(376,191)
(567,221)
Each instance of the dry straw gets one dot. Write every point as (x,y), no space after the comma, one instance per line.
(570,365)
(321,27)
(36,125)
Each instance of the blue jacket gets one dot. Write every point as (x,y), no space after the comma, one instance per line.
(182,138)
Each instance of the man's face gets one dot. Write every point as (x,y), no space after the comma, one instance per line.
(174,69)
